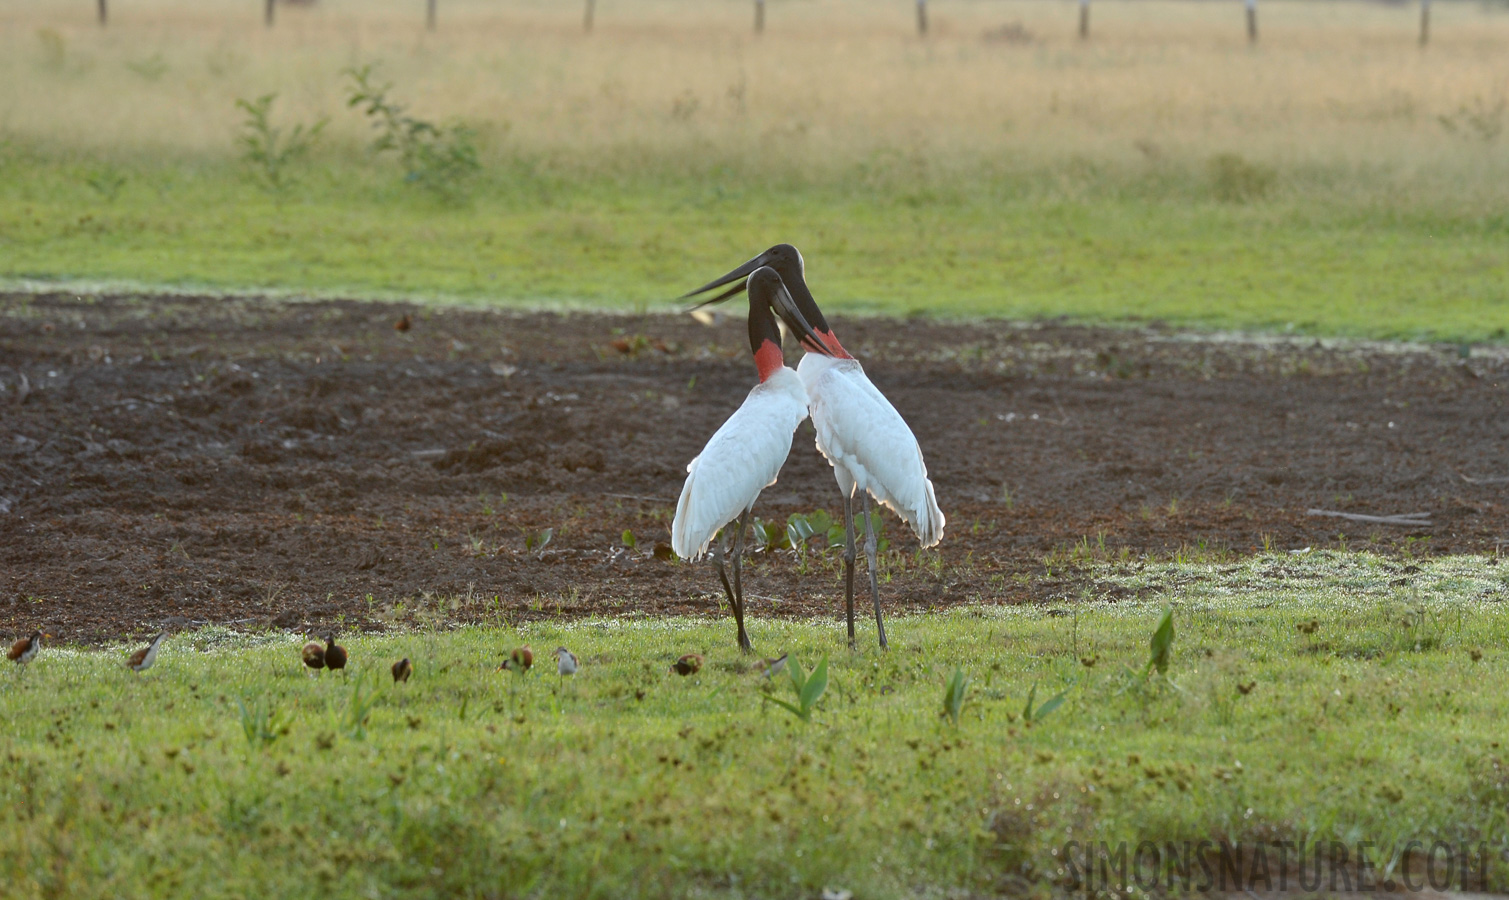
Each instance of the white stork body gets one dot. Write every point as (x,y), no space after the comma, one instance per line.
(741,460)
(868,443)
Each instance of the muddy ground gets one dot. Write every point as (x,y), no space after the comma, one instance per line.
(181,460)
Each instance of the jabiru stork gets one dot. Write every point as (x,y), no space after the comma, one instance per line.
(745,455)
(864,438)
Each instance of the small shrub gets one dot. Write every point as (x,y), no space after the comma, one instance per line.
(1235,180)
(437,159)
(1480,119)
(266,148)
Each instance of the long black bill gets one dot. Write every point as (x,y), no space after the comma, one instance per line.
(765,286)
(737,276)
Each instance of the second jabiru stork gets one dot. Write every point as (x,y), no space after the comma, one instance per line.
(864,438)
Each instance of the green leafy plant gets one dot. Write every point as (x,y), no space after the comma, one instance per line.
(802,528)
(107,182)
(359,709)
(266,148)
(808,689)
(536,541)
(953,696)
(1033,715)
(1481,118)
(438,159)
(1236,180)
(629,540)
(1161,645)
(260,724)
(768,537)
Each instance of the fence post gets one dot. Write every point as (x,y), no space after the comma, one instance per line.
(103,15)
(1252,21)
(429,14)
(922,17)
(266,13)
(759,16)
(1084,20)
(1424,22)
(587,16)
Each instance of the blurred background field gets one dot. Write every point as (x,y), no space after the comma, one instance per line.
(1335,177)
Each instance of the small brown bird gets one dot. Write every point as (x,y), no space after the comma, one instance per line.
(314,655)
(142,660)
(404,323)
(402,670)
(771,667)
(25,650)
(690,664)
(519,661)
(565,662)
(335,654)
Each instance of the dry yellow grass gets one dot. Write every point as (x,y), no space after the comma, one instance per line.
(833,84)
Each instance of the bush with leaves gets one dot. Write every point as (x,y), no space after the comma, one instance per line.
(266,148)
(438,159)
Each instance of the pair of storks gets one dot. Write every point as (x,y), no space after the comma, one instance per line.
(871,449)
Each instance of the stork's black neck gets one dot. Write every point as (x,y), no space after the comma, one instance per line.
(764,337)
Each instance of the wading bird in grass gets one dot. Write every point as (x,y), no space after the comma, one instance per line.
(565,662)
(25,650)
(871,449)
(314,656)
(335,655)
(402,670)
(745,455)
(142,659)
(689,664)
(521,660)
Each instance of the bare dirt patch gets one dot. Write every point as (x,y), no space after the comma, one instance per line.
(179,459)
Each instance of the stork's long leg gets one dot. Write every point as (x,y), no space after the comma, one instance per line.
(744,643)
(870,551)
(849,557)
(718,550)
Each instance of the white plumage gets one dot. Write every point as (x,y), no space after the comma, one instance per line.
(741,460)
(869,444)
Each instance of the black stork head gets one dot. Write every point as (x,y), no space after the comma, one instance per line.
(787,262)
(767,294)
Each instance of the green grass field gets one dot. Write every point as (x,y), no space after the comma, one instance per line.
(1104,245)
(1309,697)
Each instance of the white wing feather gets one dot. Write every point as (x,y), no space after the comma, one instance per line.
(742,458)
(860,432)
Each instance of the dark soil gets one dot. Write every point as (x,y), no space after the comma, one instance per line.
(179,460)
